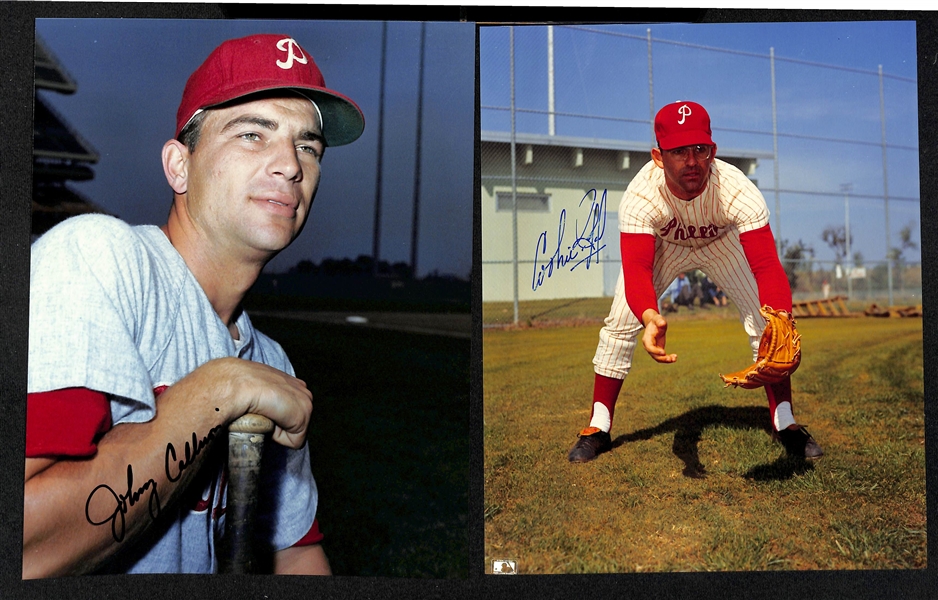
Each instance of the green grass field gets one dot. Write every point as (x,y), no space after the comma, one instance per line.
(694,482)
(389,445)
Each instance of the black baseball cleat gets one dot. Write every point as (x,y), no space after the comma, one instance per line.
(592,442)
(799,443)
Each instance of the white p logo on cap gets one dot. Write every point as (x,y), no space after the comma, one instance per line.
(287,45)
(684,111)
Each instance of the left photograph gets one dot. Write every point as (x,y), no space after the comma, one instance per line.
(249,315)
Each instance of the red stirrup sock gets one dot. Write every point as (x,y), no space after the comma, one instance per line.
(779,396)
(605,393)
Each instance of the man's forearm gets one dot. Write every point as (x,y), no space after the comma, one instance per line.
(759,247)
(79,512)
(638,257)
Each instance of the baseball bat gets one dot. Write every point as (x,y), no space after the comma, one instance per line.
(245,449)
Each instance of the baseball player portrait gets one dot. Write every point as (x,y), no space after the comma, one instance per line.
(686,209)
(140,354)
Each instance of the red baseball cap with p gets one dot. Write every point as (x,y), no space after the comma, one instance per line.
(682,124)
(264,62)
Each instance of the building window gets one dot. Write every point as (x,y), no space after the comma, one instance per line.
(526,202)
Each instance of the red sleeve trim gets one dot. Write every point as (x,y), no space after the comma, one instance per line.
(313,536)
(638,260)
(759,246)
(66,422)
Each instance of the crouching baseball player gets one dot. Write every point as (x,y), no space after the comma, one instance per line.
(140,354)
(687,210)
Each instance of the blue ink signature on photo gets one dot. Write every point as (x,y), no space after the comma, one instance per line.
(585,247)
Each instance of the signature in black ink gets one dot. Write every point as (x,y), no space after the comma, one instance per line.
(587,240)
(123,504)
(191,452)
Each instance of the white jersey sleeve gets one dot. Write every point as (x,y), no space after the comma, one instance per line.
(86,295)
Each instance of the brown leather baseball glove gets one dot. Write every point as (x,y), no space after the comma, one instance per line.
(779,352)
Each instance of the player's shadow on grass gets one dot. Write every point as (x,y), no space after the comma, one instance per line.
(688,427)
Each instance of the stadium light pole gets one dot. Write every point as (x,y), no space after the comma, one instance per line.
(418,153)
(651,90)
(376,240)
(551,117)
(778,205)
(846,189)
(882,120)
(514,181)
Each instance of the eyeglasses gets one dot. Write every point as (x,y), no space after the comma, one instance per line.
(701,152)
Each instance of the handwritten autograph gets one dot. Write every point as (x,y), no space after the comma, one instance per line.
(587,240)
(190,452)
(123,502)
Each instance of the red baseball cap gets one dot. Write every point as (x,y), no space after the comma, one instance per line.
(264,62)
(682,124)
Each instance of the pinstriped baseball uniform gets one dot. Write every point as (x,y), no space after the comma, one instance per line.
(702,233)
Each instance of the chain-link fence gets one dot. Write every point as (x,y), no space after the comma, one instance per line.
(864,283)
(566,114)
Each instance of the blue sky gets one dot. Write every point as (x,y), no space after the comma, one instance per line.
(608,75)
(131,73)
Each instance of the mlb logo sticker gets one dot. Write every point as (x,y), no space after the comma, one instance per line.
(504,567)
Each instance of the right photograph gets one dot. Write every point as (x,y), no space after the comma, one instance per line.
(702,298)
